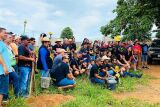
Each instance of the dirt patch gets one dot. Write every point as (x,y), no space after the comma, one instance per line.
(48,100)
(149,93)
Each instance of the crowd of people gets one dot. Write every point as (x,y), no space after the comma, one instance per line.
(102,62)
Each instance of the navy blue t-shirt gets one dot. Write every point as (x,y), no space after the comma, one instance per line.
(94,70)
(61,72)
(144,49)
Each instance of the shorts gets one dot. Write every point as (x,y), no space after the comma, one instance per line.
(65,82)
(135,59)
(4,84)
(144,58)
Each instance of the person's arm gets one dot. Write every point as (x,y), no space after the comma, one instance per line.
(43,53)
(120,62)
(22,57)
(69,75)
(3,65)
(74,68)
(97,76)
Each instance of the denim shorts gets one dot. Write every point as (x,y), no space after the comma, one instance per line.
(4,84)
(144,58)
(65,82)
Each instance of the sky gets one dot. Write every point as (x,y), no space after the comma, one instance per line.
(84,17)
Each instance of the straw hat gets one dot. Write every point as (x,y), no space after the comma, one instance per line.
(58,40)
(105,58)
(45,39)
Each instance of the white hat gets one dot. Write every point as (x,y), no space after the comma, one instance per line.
(105,58)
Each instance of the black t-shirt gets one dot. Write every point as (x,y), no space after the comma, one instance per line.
(74,62)
(61,72)
(84,50)
(72,46)
(64,46)
(94,70)
(24,51)
(56,46)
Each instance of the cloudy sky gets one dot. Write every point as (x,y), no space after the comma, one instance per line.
(85,17)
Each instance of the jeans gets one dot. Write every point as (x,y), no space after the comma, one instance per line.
(97,80)
(4,83)
(144,58)
(44,73)
(25,73)
(13,79)
(16,68)
(110,72)
(65,82)
(130,74)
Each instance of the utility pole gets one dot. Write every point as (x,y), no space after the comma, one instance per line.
(25,23)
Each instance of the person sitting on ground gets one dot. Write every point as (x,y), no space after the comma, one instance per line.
(57,59)
(122,62)
(94,73)
(63,77)
(121,71)
(75,64)
(84,67)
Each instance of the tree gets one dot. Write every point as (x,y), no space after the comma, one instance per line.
(67,33)
(158,34)
(134,19)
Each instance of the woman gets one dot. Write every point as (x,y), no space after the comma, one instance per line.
(44,61)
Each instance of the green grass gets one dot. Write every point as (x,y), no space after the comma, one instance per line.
(92,95)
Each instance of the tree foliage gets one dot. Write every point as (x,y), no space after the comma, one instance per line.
(67,33)
(158,35)
(134,19)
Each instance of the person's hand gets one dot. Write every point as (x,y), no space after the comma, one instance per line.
(32,59)
(5,70)
(13,69)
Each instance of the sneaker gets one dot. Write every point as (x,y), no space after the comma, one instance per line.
(5,100)
(147,67)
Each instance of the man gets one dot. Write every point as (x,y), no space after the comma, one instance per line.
(65,44)
(32,44)
(25,64)
(57,45)
(94,73)
(13,76)
(62,75)
(13,45)
(84,51)
(17,40)
(72,45)
(57,59)
(144,47)
(5,66)
(44,62)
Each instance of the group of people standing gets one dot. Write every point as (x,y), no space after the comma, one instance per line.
(103,63)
